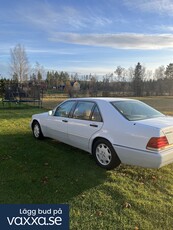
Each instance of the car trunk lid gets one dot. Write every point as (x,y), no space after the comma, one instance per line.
(157,122)
(168,132)
(164,124)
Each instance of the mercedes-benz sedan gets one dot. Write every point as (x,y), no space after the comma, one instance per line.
(113,130)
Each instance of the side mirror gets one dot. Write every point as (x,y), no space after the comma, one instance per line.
(50,112)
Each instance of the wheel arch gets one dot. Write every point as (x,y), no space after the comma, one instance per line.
(96,139)
(113,161)
(33,121)
(36,122)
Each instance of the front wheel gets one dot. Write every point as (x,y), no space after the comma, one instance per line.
(36,129)
(105,154)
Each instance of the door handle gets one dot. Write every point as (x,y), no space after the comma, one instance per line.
(93,125)
(64,121)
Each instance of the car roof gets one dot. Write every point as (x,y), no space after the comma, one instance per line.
(108,99)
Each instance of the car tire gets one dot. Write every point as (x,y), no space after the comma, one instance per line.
(105,154)
(36,129)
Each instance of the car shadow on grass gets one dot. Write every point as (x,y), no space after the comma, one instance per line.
(46,171)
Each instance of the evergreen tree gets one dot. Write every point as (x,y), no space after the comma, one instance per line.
(169,78)
(2,87)
(169,71)
(138,80)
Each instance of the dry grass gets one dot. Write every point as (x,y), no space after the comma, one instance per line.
(163,104)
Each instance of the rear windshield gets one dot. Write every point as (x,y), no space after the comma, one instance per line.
(136,110)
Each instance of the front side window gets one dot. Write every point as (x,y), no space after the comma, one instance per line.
(83,110)
(64,109)
(136,110)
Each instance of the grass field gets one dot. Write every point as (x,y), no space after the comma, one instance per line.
(51,172)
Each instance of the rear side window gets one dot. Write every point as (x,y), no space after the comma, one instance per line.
(83,110)
(64,109)
(96,116)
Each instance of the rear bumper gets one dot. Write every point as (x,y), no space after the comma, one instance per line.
(148,159)
(166,157)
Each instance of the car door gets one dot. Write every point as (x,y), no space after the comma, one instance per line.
(57,122)
(86,120)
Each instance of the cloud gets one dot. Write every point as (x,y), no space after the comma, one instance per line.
(120,41)
(3,70)
(164,28)
(98,70)
(156,6)
(50,51)
(4,51)
(63,17)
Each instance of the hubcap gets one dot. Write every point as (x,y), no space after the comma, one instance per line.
(36,130)
(103,154)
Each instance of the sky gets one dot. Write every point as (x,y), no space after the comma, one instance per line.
(87,36)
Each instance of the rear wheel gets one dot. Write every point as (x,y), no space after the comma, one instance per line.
(36,129)
(105,154)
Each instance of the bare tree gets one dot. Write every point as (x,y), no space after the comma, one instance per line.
(130,73)
(93,86)
(159,73)
(39,71)
(19,64)
(121,78)
(120,73)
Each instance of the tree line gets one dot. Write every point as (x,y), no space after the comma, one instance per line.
(134,81)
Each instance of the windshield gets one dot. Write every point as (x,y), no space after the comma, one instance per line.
(136,110)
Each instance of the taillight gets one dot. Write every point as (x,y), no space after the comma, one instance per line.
(157,143)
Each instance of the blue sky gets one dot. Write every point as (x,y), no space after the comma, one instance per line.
(88,36)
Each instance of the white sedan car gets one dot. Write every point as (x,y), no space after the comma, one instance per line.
(114,130)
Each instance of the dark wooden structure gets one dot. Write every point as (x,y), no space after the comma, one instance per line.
(22,93)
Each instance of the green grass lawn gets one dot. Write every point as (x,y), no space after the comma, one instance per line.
(50,172)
